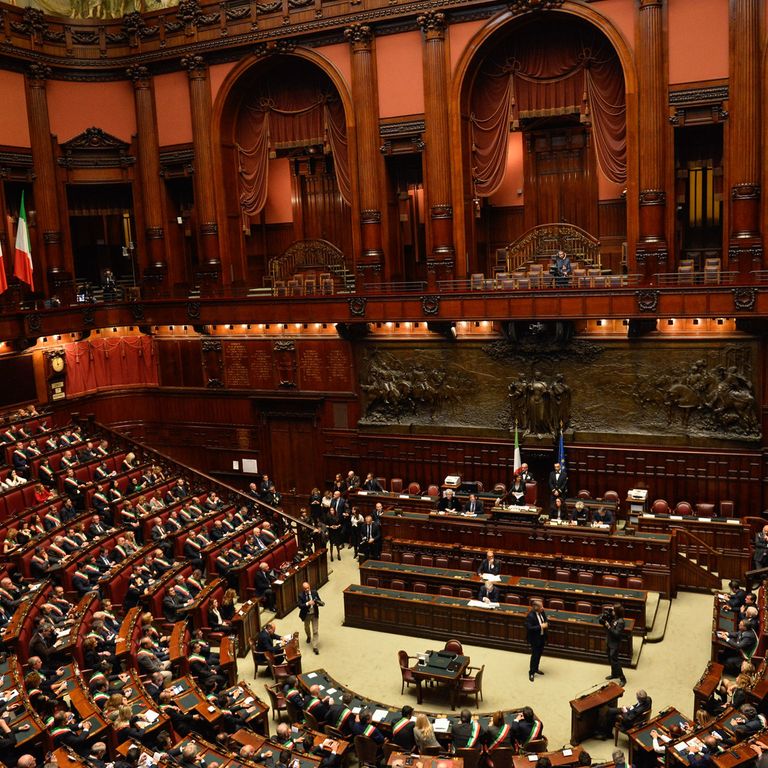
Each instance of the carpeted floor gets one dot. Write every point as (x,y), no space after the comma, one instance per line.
(366,661)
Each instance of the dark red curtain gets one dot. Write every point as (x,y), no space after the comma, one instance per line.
(310,112)
(550,69)
(110,362)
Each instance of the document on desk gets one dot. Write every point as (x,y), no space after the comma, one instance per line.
(490,577)
(481,604)
(150,716)
(379,715)
(441,724)
(311,675)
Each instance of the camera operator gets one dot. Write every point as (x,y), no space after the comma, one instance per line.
(612,619)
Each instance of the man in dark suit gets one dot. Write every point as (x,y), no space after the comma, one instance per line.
(262,584)
(371,484)
(629,716)
(309,611)
(489,565)
(402,731)
(761,548)
(370,539)
(558,482)
(474,506)
(468,732)
(172,605)
(339,503)
(488,593)
(536,630)
(613,622)
(268,642)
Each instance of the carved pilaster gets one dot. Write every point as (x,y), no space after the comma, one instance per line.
(153,253)
(437,149)
(652,72)
(370,162)
(744,129)
(53,260)
(205,200)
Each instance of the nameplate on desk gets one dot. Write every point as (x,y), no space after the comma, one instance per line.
(731,521)
(534,758)
(705,519)
(426,498)
(648,514)
(403,496)
(362,493)
(675,517)
(278,581)
(311,675)
(567,752)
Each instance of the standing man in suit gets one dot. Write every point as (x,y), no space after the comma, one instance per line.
(309,607)
(370,539)
(474,506)
(262,584)
(558,483)
(613,621)
(761,548)
(536,629)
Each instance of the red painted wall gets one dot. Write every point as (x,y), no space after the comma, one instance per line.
(400,69)
(698,41)
(73,107)
(14,129)
(174,121)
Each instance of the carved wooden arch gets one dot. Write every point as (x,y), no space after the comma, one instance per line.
(764,164)
(460,93)
(223,108)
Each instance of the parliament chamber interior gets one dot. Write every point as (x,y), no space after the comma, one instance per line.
(376,377)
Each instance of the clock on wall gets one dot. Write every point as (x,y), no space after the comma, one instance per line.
(56,364)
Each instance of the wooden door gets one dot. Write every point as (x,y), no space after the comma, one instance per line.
(560,178)
(294,455)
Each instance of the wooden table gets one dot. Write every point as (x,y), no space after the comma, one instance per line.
(572,635)
(585,710)
(403,760)
(450,675)
(707,684)
(632,600)
(641,752)
(559,759)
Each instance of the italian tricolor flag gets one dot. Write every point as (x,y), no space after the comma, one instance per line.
(22,262)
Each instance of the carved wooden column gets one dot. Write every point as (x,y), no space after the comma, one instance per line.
(53,260)
(652,252)
(152,191)
(205,199)
(370,262)
(744,248)
(441,262)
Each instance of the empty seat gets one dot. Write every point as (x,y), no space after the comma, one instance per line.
(683,508)
(433,490)
(420,587)
(396,485)
(585,577)
(583,494)
(512,599)
(660,507)
(446,591)
(611,496)
(535,573)
(582,607)
(466,564)
(465,594)
(382,481)
(562,575)
(441,562)
(685,275)
(398,585)
(386,557)
(726,508)
(409,558)
(556,604)
(427,560)
(414,489)
(476,281)
(608,580)
(372,581)
(704,509)
(634,582)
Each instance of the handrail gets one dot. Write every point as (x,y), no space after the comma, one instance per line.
(685,279)
(699,547)
(548,239)
(215,482)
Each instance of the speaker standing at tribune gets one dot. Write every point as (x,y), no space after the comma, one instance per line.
(536,629)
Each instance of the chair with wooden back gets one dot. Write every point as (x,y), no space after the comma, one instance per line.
(472,686)
(406,673)
(366,750)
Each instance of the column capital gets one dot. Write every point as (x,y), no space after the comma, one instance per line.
(359,35)
(140,76)
(38,74)
(433,24)
(196,67)
(646,5)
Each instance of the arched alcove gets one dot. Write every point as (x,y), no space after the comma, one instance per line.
(287,159)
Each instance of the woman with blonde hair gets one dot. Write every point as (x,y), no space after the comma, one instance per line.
(424,733)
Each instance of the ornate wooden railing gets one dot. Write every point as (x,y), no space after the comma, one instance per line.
(545,240)
(698,565)
(305,256)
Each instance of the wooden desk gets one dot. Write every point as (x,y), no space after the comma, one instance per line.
(707,684)
(654,551)
(403,760)
(449,676)
(247,625)
(228,657)
(335,690)
(559,759)
(572,635)
(585,710)
(633,600)
(641,752)
(313,569)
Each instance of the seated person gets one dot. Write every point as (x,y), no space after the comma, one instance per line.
(602,516)
(517,491)
(489,565)
(580,513)
(449,502)
(559,511)
(626,716)
(474,506)
(488,593)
